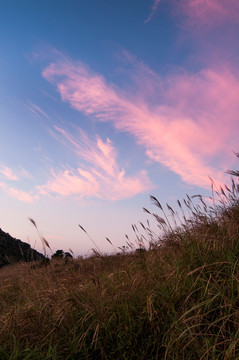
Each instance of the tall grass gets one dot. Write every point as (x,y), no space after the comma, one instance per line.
(177,300)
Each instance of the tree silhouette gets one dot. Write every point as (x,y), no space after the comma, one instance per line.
(60,254)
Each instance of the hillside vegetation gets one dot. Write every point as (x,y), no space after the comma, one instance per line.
(14,250)
(179,299)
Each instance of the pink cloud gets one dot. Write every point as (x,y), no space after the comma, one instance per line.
(11,175)
(208,13)
(18,194)
(23,173)
(154,8)
(8,173)
(35,109)
(101,155)
(101,177)
(193,123)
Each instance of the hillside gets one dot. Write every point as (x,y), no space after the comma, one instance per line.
(176,299)
(14,250)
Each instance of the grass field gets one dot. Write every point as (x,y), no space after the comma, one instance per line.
(176,297)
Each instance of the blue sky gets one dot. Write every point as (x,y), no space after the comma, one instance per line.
(103,103)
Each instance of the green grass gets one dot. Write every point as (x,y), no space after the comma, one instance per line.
(177,300)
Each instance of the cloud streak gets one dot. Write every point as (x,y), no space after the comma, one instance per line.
(13,192)
(17,194)
(36,110)
(208,13)
(8,173)
(99,177)
(185,130)
(154,8)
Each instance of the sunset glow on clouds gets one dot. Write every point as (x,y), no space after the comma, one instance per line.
(35,109)
(100,109)
(209,13)
(8,177)
(180,133)
(202,13)
(17,194)
(8,173)
(101,178)
(154,8)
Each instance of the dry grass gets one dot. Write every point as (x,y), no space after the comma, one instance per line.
(177,300)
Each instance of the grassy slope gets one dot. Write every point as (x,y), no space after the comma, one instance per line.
(177,301)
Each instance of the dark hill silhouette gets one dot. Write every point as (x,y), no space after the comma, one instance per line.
(14,250)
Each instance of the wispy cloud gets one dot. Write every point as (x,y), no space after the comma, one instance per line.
(35,109)
(154,8)
(194,121)
(208,13)
(8,173)
(19,174)
(23,173)
(99,177)
(18,194)
(14,175)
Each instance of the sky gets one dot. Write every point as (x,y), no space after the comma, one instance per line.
(104,103)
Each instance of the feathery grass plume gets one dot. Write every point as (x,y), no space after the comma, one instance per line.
(123,248)
(139,237)
(33,222)
(109,241)
(97,253)
(160,220)
(233,187)
(142,225)
(234,172)
(149,233)
(170,208)
(46,242)
(157,203)
(43,240)
(175,301)
(173,215)
(130,245)
(81,227)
